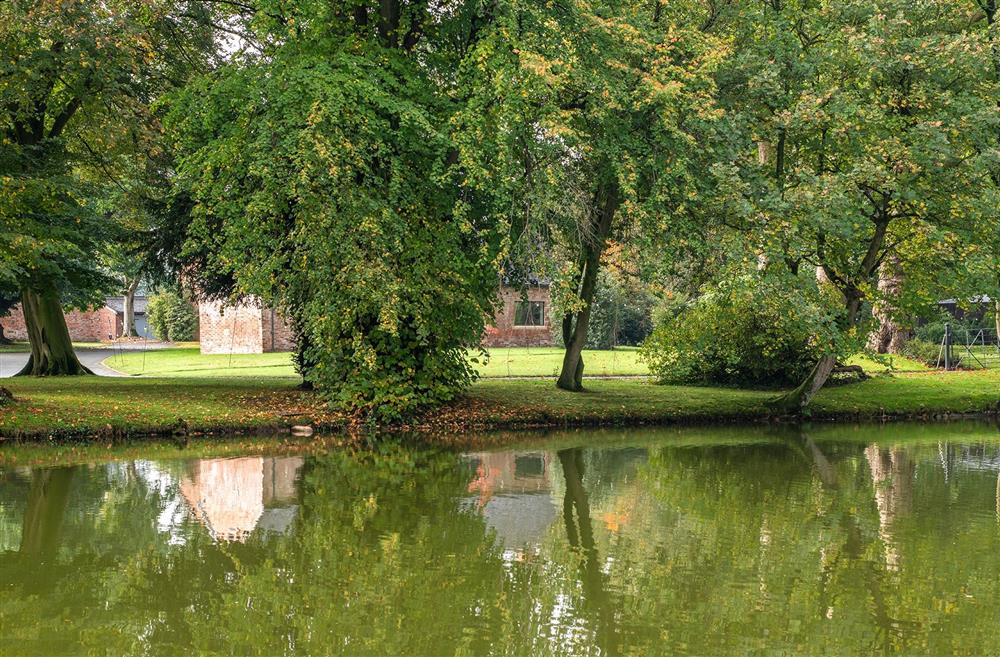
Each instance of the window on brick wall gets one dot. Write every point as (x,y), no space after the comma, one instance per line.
(529,313)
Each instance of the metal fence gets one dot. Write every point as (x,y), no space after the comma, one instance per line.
(974,348)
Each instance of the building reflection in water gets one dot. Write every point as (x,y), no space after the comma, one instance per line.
(234,497)
(513,492)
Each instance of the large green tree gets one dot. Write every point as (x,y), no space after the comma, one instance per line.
(76,80)
(866,131)
(326,182)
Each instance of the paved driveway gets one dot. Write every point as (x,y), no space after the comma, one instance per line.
(91,357)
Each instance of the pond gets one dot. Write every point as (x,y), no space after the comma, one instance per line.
(835,540)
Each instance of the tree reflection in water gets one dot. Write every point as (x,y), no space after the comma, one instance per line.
(712,543)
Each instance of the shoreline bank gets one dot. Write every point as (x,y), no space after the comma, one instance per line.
(92,408)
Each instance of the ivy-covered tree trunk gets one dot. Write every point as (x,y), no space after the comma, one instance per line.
(575,324)
(889,336)
(51,348)
(303,357)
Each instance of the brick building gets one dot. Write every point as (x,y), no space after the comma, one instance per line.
(253,329)
(523,320)
(246,328)
(94,325)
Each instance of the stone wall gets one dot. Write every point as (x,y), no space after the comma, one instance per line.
(242,329)
(504,333)
(84,326)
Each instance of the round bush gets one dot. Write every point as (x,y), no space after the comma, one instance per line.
(171,317)
(745,332)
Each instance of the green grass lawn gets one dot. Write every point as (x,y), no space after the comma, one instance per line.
(887,364)
(69,405)
(898,394)
(514,362)
(188,362)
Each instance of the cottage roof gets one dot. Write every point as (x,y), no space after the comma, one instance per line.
(117,304)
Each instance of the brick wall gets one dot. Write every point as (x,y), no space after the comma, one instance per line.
(229,329)
(504,333)
(242,329)
(277,333)
(84,326)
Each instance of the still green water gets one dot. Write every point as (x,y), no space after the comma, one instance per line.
(832,541)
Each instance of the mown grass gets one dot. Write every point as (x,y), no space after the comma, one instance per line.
(507,362)
(131,406)
(104,405)
(188,361)
(908,394)
(24,347)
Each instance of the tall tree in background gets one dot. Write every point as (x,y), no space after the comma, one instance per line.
(988,23)
(77,79)
(582,127)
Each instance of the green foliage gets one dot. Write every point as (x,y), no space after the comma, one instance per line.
(74,93)
(742,331)
(171,316)
(867,130)
(325,183)
(933,331)
(583,127)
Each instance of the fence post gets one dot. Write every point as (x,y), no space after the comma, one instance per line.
(947,346)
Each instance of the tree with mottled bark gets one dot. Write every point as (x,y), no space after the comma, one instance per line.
(878,154)
(889,335)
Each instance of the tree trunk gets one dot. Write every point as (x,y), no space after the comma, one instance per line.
(889,337)
(580,534)
(575,324)
(51,348)
(799,398)
(128,326)
(43,518)
(3,338)
(996,321)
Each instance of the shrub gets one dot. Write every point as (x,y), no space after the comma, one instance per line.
(925,351)
(171,317)
(745,331)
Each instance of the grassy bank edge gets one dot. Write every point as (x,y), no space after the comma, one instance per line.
(99,408)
